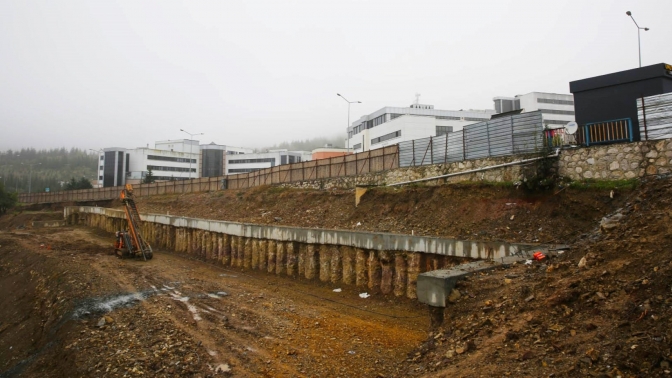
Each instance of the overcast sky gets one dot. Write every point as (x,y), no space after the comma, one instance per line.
(95,74)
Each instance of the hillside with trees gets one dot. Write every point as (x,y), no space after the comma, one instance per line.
(36,170)
(308,144)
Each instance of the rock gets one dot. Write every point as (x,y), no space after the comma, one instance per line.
(450,353)
(530,298)
(593,354)
(108,319)
(507,281)
(101,322)
(460,350)
(582,262)
(454,296)
(609,223)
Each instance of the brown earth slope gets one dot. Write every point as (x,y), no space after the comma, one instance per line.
(465,211)
(551,318)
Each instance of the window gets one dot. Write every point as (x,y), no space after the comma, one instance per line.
(442,130)
(102,157)
(168,158)
(393,116)
(555,122)
(101,167)
(100,178)
(551,101)
(243,170)
(553,111)
(169,169)
(247,161)
(449,117)
(378,120)
(357,146)
(385,137)
(476,119)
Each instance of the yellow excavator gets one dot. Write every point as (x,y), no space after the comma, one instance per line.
(130,243)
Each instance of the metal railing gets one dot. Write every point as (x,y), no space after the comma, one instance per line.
(505,136)
(606,132)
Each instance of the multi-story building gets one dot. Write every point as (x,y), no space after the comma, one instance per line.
(391,125)
(169,160)
(213,158)
(556,109)
(260,160)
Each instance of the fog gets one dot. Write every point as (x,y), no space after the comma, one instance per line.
(95,74)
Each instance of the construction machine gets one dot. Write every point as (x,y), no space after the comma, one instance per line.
(130,243)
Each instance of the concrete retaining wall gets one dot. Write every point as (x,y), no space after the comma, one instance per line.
(377,262)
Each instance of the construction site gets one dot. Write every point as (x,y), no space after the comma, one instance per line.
(567,279)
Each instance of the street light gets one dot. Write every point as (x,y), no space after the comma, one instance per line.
(639,42)
(191,148)
(30,175)
(346,129)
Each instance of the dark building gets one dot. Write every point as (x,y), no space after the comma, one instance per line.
(614,96)
(113,165)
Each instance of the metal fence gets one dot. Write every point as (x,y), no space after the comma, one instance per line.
(504,136)
(350,165)
(655,116)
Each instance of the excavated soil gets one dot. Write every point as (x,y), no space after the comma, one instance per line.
(602,308)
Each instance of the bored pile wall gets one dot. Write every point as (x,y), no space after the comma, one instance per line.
(374,271)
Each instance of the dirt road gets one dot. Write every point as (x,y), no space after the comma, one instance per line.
(71,309)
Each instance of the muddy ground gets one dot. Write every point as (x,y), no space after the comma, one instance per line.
(67,308)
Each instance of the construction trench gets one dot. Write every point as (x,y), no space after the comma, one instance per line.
(380,262)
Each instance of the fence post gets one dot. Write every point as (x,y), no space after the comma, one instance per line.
(646,130)
(487,132)
(431,151)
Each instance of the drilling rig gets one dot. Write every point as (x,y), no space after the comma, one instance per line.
(130,243)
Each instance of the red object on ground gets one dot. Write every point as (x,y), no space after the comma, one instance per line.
(538,256)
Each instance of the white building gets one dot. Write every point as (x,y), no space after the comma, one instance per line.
(391,125)
(260,160)
(556,109)
(169,160)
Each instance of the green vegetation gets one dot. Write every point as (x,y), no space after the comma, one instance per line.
(149,177)
(604,184)
(41,169)
(7,199)
(82,183)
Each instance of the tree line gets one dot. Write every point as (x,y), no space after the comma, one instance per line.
(56,169)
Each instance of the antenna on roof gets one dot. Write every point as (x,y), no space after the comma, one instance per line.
(417,98)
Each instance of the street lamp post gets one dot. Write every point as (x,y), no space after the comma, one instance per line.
(346,129)
(30,175)
(639,42)
(191,147)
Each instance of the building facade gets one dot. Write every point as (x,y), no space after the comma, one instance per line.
(243,163)
(213,158)
(556,109)
(614,96)
(112,166)
(391,125)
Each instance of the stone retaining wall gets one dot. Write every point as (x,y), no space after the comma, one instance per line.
(511,173)
(617,161)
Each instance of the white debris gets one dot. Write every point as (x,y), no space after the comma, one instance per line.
(337,290)
(528,262)
(582,262)
(364,295)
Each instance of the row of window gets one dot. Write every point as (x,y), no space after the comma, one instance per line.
(357,146)
(385,137)
(555,122)
(169,158)
(381,119)
(554,111)
(442,130)
(245,161)
(473,119)
(243,170)
(551,101)
(449,117)
(170,169)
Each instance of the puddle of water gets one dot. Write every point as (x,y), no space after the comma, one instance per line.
(108,304)
(193,309)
